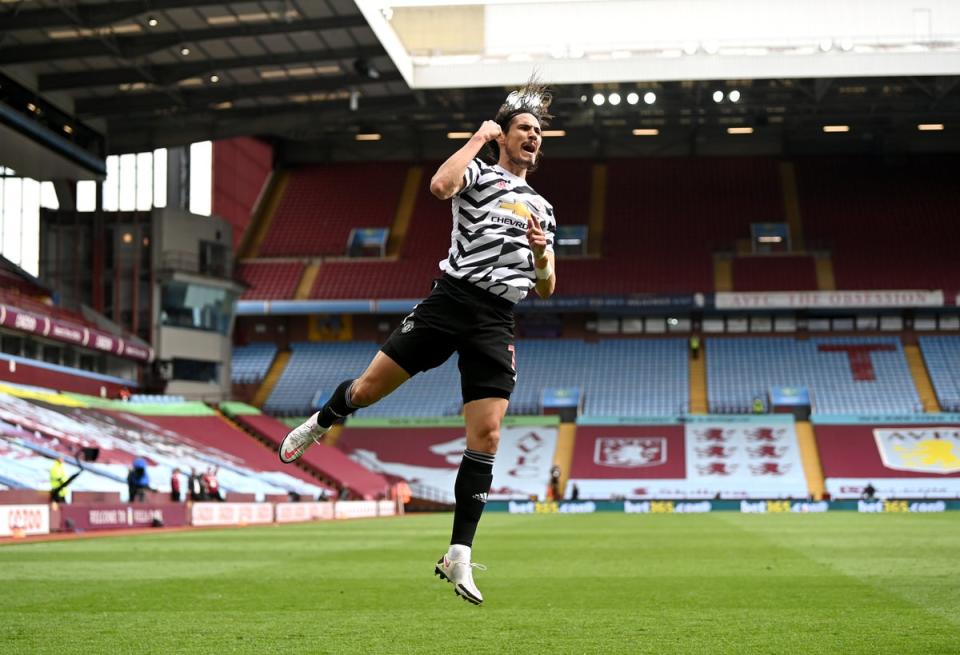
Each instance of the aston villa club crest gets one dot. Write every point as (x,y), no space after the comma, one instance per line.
(924,450)
(630,452)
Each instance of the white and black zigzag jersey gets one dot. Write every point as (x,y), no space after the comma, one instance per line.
(489,245)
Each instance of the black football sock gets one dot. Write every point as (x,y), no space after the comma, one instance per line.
(470,490)
(338,407)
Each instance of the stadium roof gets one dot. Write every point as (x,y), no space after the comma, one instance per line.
(312,74)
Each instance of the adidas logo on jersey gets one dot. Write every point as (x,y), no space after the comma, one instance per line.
(481,497)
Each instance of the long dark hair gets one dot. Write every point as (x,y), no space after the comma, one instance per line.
(532,98)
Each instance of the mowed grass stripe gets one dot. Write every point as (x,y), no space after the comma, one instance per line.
(719,583)
(895,554)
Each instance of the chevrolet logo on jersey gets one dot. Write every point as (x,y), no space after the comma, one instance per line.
(518,209)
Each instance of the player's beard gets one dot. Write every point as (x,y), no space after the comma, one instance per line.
(520,162)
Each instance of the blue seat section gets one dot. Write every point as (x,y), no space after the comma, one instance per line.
(251,362)
(157,399)
(739,370)
(618,377)
(433,393)
(942,357)
(314,371)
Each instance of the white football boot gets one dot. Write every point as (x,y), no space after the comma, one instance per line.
(460,574)
(300,438)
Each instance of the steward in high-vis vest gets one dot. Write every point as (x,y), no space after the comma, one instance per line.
(58,480)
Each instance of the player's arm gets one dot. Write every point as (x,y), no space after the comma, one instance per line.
(543,259)
(449,178)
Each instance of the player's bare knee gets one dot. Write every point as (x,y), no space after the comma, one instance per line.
(489,438)
(364,392)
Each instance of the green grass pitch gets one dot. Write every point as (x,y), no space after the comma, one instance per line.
(603,583)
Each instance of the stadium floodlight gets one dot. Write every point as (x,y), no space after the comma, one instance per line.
(633,98)
(836,128)
(649,97)
(368,136)
(553,133)
(152,22)
(214,78)
(930,127)
(734,96)
(646,131)
(718,96)
(614,98)
(459,135)
(68,129)
(711,47)
(598,99)
(739,130)
(826,45)
(691,47)
(185,51)
(846,44)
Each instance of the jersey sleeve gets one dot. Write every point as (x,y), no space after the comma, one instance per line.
(471,175)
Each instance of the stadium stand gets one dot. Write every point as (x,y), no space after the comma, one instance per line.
(779,273)
(315,370)
(218,434)
(269,280)
(156,398)
(656,237)
(618,377)
(337,198)
(427,241)
(628,377)
(251,362)
(665,217)
(321,458)
(843,374)
(889,225)
(941,354)
(377,279)
(37,425)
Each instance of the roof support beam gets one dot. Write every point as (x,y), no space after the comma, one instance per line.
(130,47)
(199,99)
(93,15)
(173,73)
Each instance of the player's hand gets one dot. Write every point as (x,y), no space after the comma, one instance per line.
(536,238)
(489,131)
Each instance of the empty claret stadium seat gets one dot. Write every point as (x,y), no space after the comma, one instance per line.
(941,354)
(888,225)
(270,280)
(774,273)
(323,203)
(326,460)
(845,375)
(665,218)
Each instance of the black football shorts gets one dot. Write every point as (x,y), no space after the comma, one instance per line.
(460,317)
